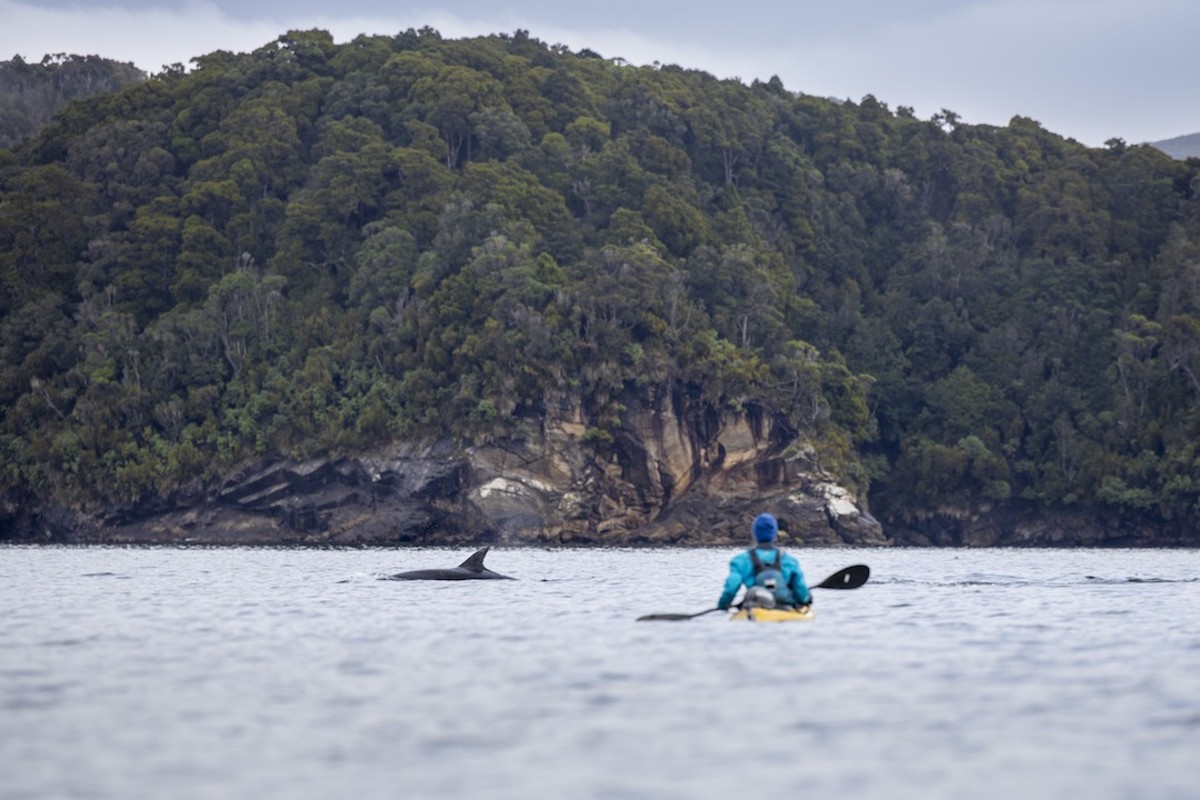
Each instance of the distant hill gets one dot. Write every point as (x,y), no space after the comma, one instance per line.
(1181,146)
(30,94)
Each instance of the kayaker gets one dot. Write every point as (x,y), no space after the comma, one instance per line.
(771,576)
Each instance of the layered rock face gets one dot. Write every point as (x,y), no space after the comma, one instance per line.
(675,474)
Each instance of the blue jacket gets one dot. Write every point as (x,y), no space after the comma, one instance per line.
(793,591)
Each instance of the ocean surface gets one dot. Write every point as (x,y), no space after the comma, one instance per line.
(258,673)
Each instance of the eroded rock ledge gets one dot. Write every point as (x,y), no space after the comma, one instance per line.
(674,475)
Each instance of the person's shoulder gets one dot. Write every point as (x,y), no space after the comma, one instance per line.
(741,557)
(788,558)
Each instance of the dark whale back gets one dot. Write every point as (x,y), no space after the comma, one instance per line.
(470,570)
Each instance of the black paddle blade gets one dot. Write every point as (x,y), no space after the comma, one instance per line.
(848,578)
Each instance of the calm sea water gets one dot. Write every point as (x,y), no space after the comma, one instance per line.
(243,673)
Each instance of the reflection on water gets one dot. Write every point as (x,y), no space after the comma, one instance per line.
(296,673)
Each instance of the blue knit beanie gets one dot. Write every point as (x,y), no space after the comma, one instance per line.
(765,528)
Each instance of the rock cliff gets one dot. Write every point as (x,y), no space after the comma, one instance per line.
(676,473)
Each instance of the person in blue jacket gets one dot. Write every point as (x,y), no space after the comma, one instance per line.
(768,573)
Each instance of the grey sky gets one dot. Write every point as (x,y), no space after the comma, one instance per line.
(1087,69)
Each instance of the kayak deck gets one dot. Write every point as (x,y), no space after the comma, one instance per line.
(774,614)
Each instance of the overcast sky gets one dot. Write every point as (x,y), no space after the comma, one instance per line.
(1087,69)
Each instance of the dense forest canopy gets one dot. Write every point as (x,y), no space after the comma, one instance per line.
(314,247)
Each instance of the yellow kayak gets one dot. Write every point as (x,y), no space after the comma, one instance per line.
(775,614)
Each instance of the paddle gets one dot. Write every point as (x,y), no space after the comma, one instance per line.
(848,578)
(661,617)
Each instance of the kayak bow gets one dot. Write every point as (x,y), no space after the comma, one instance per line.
(774,614)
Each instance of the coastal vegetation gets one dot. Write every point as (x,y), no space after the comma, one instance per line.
(313,248)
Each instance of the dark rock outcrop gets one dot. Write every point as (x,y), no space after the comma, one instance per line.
(675,474)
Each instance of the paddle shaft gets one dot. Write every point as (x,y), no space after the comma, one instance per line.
(675,617)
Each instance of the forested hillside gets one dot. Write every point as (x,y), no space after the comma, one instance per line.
(30,94)
(313,248)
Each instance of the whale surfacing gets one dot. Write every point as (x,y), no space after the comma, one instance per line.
(470,570)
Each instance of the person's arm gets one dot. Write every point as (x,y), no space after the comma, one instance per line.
(732,583)
(800,587)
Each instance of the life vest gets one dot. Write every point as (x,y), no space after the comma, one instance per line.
(769,574)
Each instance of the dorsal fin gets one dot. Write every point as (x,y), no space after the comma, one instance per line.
(475,562)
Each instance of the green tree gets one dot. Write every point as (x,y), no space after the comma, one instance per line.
(447,101)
